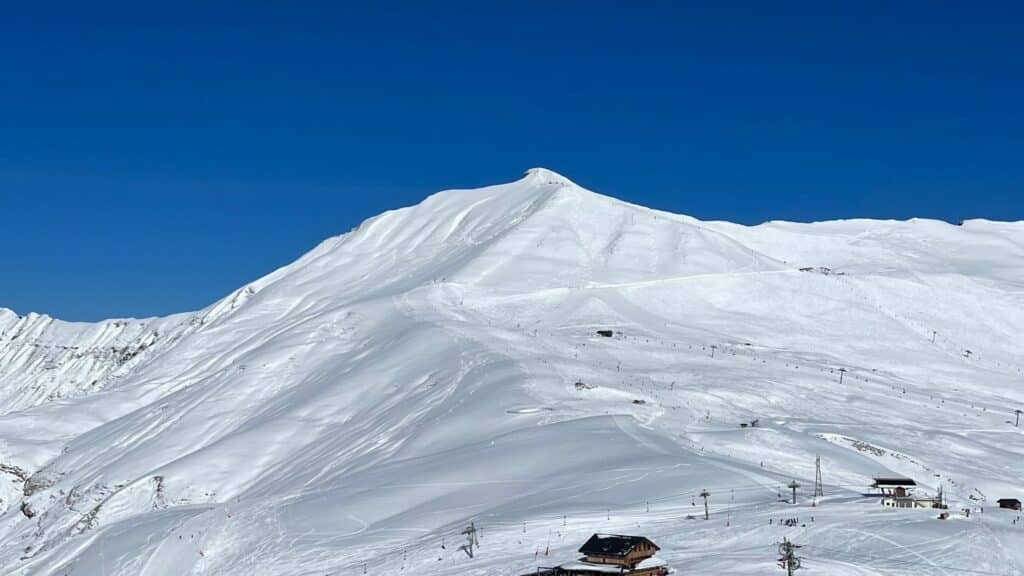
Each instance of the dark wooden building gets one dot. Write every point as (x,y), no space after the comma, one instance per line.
(1009,503)
(620,550)
(605,554)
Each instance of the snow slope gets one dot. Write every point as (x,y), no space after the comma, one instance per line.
(354,410)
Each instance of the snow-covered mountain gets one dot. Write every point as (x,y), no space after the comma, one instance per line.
(440,364)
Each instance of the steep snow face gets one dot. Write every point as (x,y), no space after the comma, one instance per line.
(440,364)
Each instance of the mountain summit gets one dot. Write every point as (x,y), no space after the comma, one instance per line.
(546,363)
(546,176)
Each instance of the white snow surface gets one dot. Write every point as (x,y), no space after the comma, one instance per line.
(355,410)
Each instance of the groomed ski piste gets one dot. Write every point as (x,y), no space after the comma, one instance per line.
(440,365)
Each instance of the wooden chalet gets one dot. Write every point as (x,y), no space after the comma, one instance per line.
(605,554)
(898,487)
(1009,503)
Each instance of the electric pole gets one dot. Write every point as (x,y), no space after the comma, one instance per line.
(793,485)
(471,541)
(933,336)
(819,487)
(713,348)
(1017,424)
(704,494)
(787,559)
(728,514)
(842,372)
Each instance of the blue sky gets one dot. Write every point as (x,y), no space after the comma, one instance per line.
(155,157)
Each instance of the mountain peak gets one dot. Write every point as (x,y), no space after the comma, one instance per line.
(546,176)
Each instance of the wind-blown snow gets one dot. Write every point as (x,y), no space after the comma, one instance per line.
(363,404)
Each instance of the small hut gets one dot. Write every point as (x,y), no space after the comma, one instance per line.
(1009,503)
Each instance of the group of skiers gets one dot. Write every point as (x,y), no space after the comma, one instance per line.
(787,521)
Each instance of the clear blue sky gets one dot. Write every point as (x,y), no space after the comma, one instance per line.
(153,157)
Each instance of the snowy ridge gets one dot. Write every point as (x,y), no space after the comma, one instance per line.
(43,359)
(441,364)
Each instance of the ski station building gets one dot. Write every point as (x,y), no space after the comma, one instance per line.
(899,493)
(911,502)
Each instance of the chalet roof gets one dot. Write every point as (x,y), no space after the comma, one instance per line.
(613,545)
(894,482)
(1001,500)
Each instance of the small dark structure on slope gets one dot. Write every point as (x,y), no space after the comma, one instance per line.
(605,333)
(1009,503)
(611,554)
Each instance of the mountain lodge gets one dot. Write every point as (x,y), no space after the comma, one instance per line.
(611,554)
